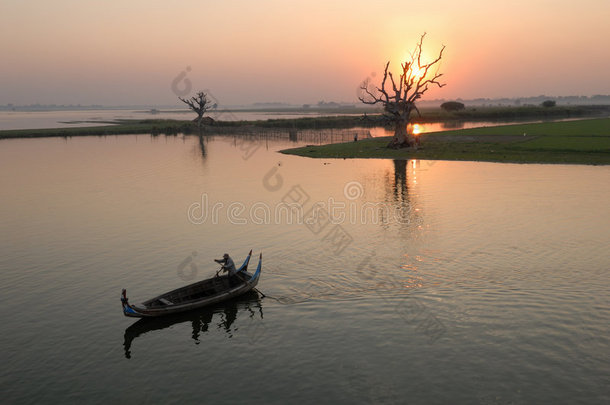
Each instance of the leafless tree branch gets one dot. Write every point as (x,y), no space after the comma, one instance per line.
(399,101)
(200,104)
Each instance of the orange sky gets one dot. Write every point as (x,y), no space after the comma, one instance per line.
(111,52)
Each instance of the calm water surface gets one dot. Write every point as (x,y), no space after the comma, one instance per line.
(437,282)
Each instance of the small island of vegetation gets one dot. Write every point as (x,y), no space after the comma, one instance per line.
(581,141)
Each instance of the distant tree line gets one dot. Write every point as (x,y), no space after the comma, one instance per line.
(452,106)
(549,103)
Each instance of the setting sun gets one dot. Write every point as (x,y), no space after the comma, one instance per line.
(415,129)
(416,71)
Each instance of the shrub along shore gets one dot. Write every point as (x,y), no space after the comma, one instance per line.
(584,141)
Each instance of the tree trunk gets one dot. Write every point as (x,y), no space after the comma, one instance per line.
(401,137)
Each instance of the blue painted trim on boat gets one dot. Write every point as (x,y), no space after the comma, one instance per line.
(245,265)
(258,269)
(129,310)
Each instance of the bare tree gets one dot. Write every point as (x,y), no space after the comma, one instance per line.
(398,99)
(200,103)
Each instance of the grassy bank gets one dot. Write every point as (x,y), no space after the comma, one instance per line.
(582,141)
(119,127)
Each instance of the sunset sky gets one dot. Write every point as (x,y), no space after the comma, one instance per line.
(129,52)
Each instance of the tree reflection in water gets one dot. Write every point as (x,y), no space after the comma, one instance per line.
(202,147)
(400,187)
(200,319)
(402,210)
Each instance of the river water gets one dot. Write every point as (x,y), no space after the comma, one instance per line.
(415,282)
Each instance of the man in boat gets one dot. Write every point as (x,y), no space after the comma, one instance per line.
(229,266)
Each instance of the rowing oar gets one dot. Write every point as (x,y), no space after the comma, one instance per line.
(245,281)
(254,288)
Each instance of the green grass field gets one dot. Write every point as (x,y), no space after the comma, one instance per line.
(582,141)
(584,127)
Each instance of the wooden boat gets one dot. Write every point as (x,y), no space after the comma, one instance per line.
(196,295)
(201,320)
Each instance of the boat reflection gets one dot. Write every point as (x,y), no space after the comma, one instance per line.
(200,319)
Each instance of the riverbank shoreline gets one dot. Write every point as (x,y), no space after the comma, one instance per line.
(577,141)
(366,119)
(569,142)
